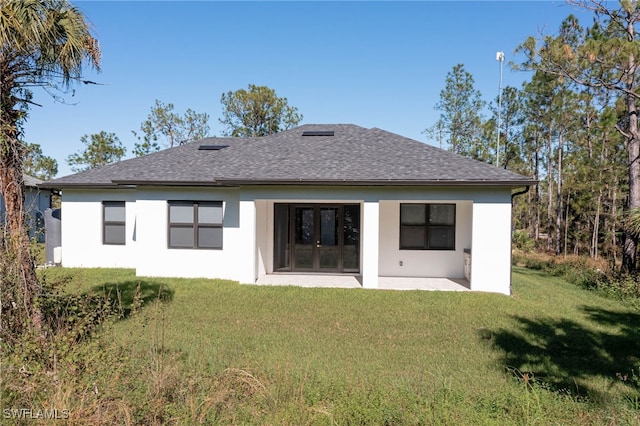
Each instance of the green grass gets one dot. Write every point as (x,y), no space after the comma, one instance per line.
(217,352)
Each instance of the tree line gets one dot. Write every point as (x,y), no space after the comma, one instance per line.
(256,111)
(572,126)
(557,133)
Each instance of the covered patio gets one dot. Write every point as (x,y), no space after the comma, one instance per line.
(312,241)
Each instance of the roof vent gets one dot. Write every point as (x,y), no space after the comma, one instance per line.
(318,133)
(212,147)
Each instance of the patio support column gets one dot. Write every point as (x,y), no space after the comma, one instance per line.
(370,243)
(246,256)
(491,246)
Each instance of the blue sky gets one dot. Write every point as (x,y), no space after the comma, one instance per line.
(374,64)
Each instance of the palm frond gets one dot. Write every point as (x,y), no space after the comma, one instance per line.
(51,36)
(633,221)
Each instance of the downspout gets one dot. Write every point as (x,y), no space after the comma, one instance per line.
(524,191)
(514,195)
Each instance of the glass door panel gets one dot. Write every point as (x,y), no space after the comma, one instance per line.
(281,239)
(351,238)
(304,240)
(328,242)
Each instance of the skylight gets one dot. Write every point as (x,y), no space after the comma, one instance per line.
(318,133)
(212,147)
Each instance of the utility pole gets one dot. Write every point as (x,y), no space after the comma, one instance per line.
(500,59)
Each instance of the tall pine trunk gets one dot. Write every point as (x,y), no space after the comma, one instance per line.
(550,194)
(629,262)
(19,285)
(537,190)
(630,249)
(22,274)
(596,228)
(614,223)
(558,228)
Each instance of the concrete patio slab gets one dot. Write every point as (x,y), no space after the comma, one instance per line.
(311,280)
(437,284)
(352,281)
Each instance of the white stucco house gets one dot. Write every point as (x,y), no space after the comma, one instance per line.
(339,200)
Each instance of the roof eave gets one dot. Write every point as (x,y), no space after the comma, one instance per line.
(168,183)
(120,184)
(76,185)
(378,182)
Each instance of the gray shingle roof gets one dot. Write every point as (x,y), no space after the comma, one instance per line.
(31,181)
(353,156)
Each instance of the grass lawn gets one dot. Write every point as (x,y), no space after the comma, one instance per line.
(209,351)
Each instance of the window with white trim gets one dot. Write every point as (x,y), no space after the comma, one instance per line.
(427,226)
(195,224)
(113,223)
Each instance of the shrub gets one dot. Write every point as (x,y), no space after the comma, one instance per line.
(523,242)
(536,261)
(584,272)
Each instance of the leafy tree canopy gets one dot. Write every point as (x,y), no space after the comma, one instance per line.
(37,164)
(459,107)
(163,124)
(257,111)
(101,149)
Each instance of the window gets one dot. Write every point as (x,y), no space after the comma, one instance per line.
(195,224)
(113,222)
(427,226)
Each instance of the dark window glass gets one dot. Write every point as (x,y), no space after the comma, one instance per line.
(351,250)
(195,224)
(328,226)
(113,223)
(303,256)
(413,237)
(181,213)
(304,225)
(281,247)
(413,214)
(442,214)
(210,214)
(181,237)
(114,234)
(441,237)
(210,237)
(427,226)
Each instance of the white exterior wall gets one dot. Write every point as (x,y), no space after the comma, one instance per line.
(491,250)
(82,230)
(235,261)
(483,224)
(422,263)
(264,237)
(370,244)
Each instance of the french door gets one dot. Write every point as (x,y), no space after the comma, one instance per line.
(317,238)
